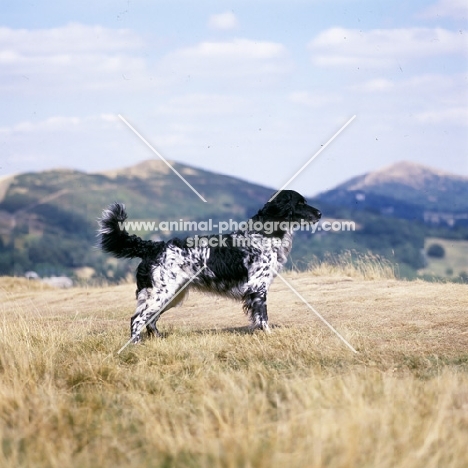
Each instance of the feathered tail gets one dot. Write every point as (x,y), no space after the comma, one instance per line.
(114,239)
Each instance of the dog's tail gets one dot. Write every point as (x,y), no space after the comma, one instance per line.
(114,239)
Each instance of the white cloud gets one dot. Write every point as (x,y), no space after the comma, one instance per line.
(224,21)
(428,99)
(56,123)
(452,116)
(235,49)
(314,100)
(374,86)
(229,59)
(457,9)
(432,86)
(383,47)
(71,57)
(74,38)
(191,105)
(83,142)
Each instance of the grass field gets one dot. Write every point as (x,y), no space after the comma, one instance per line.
(211,394)
(454,262)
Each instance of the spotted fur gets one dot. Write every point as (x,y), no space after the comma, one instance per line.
(241,267)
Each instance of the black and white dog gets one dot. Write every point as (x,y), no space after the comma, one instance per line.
(240,265)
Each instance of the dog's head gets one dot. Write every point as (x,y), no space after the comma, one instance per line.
(288,206)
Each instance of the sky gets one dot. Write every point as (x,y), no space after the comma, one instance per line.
(251,89)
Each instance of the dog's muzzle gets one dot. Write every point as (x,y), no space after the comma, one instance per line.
(315,215)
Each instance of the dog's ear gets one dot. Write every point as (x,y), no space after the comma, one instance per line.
(280,208)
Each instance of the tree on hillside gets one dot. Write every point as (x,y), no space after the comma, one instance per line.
(436,251)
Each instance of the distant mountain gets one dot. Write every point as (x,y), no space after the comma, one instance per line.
(406,190)
(48,219)
(149,189)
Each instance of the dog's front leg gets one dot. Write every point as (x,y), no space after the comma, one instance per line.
(256,308)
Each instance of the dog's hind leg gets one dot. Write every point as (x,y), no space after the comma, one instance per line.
(151,304)
(146,314)
(152,330)
(143,295)
(176,302)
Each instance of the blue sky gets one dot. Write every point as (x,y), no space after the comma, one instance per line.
(246,88)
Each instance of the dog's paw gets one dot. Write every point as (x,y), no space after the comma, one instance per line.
(261,326)
(136,339)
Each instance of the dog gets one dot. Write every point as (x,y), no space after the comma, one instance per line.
(240,265)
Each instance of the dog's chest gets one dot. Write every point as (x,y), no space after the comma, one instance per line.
(271,253)
(280,250)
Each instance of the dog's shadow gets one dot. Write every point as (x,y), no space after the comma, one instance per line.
(245,330)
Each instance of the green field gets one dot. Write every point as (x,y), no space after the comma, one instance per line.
(452,264)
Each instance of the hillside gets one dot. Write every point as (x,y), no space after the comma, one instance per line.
(48,219)
(416,184)
(212,394)
(407,190)
(84,194)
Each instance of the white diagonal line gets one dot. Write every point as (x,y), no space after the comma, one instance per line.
(312,158)
(316,313)
(158,154)
(164,305)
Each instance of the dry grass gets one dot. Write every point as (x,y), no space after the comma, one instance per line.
(10,285)
(353,264)
(210,394)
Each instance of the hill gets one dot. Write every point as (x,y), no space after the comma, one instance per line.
(149,189)
(48,219)
(409,191)
(212,394)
